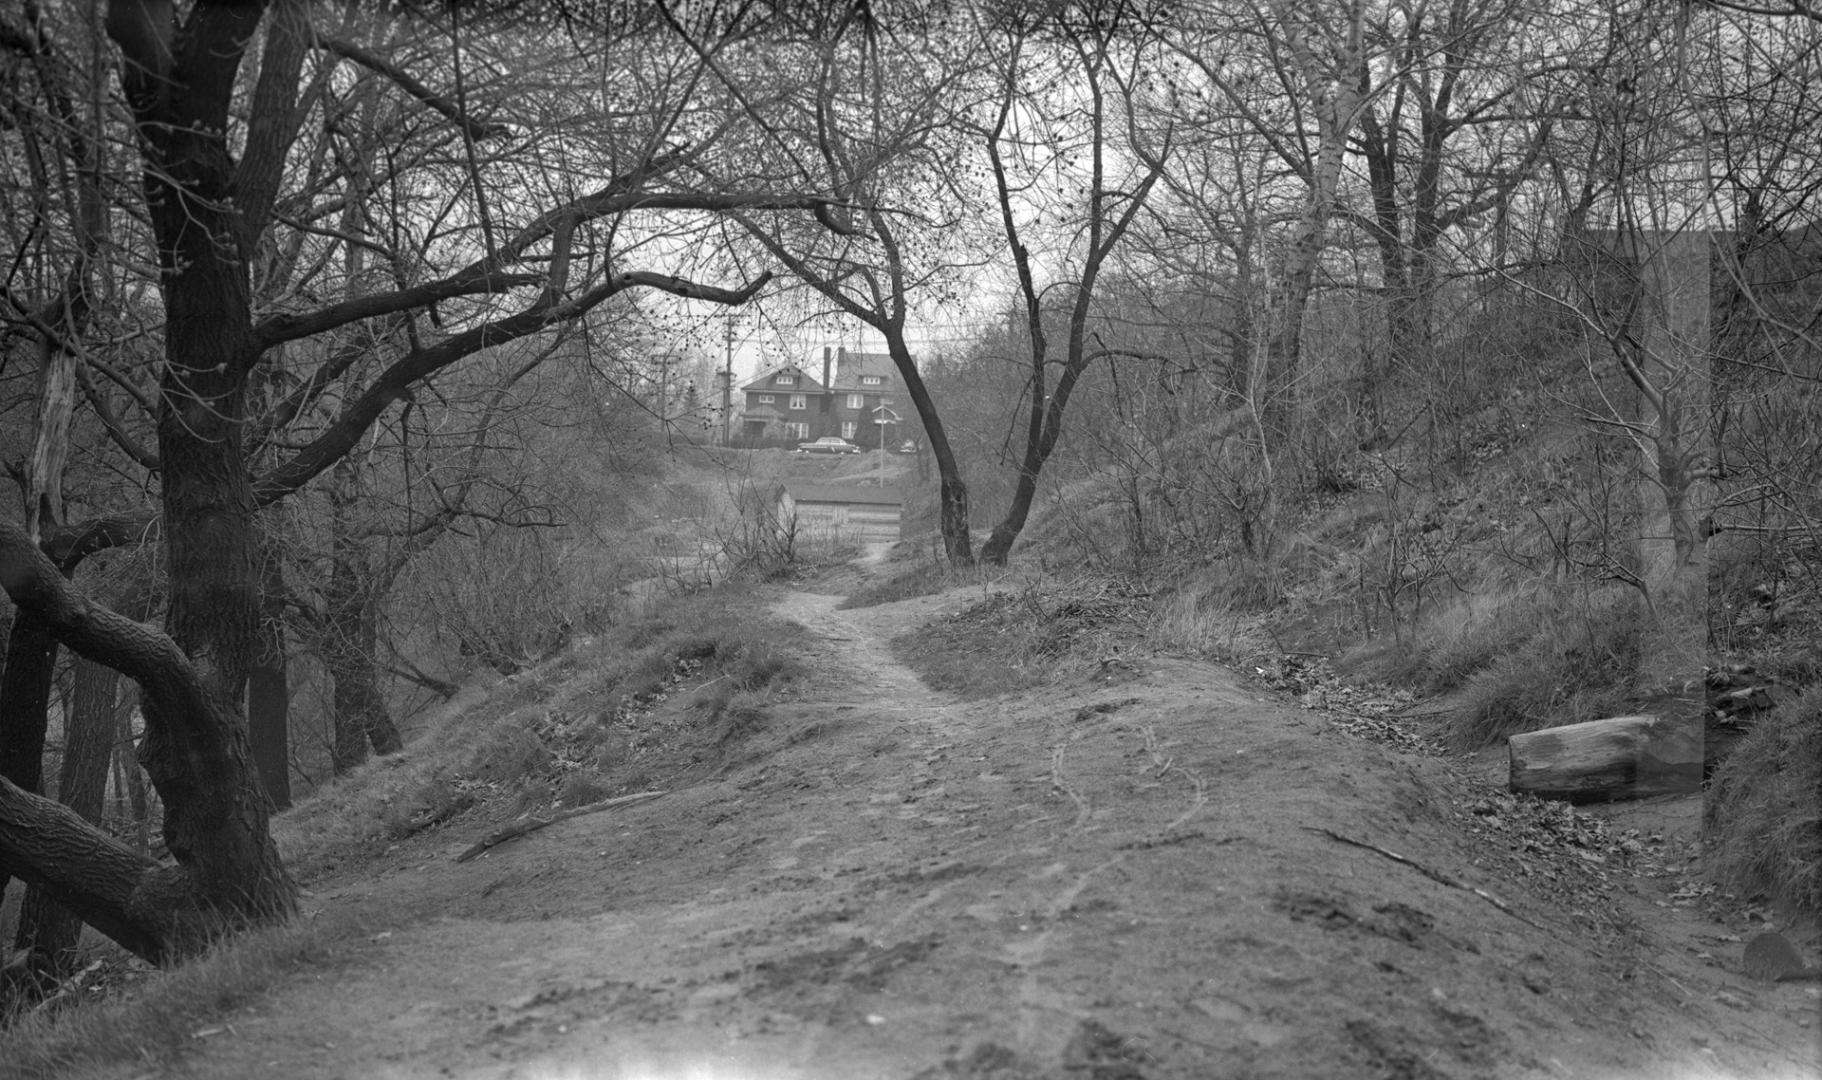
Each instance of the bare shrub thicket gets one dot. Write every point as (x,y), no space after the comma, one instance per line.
(1765,813)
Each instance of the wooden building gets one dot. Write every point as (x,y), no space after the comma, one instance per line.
(847,511)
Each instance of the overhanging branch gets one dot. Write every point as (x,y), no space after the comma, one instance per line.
(392,385)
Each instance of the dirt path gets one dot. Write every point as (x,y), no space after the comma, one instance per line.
(1112,882)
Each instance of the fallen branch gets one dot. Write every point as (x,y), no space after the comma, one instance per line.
(1433,875)
(533,824)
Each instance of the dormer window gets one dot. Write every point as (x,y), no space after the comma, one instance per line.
(784,380)
(871,380)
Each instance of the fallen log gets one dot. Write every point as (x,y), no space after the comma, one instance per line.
(533,824)
(1621,757)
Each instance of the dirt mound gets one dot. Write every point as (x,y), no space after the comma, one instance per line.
(1168,874)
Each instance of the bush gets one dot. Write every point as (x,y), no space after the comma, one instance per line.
(1764,812)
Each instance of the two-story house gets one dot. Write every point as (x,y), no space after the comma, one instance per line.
(781,406)
(856,390)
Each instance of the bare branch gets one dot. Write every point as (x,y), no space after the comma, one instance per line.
(372,61)
(392,385)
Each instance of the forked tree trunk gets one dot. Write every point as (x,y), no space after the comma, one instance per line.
(216,815)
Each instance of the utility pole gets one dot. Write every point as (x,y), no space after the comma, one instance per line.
(727,387)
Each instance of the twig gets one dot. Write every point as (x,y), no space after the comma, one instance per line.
(1082,807)
(1434,875)
(529,825)
(67,987)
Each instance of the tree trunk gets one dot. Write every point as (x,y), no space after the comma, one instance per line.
(1622,757)
(25,700)
(269,690)
(361,717)
(130,778)
(958,546)
(1335,97)
(49,931)
(180,86)
(349,633)
(1673,381)
(150,909)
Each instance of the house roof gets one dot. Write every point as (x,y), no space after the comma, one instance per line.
(806,383)
(857,364)
(843,493)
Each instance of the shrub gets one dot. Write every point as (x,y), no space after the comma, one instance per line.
(1764,814)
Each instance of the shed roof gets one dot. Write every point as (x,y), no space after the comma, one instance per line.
(844,493)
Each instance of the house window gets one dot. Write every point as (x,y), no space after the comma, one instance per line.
(797,431)
(784,380)
(767,399)
(871,380)
(847,429)
(855,401)
(799,401)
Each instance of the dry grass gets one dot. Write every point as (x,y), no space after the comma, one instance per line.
(1765,813)
(168,1010)
(567,715)
(1018,638)
(1204,619)
(1460,640)
(1573,665)
(924,579)
(560,732)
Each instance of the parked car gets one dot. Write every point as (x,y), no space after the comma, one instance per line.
(828,444)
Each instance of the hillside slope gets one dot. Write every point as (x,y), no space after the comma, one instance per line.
(1143,877)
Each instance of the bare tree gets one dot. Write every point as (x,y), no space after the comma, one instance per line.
(1101,51)
(875,120)
(214,152)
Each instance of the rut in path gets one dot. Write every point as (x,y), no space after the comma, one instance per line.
(857,665)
